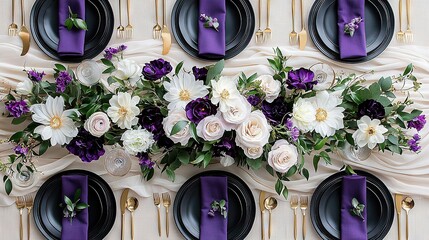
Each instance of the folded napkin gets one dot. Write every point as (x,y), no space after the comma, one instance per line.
(213,227)
(211,41)
(353,227)
(71,43)
(351,46)
(78,229)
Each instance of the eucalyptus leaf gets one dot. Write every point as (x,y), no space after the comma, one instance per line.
(179,126)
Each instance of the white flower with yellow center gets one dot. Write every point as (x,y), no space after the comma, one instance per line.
(182,89)
(329,117)
(123,110)
(225,93)
(56,122)
(370,132)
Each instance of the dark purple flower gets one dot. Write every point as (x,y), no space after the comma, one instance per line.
(144,160)
(198,109)
(254,100)
(35,76)
(301,79)
(200,73)
(21,150)
(276,112)
(413,143)
(151,119)
(63,79)
(156,69)
(17,108)
(225,145)
(86,146)
(372,109)
(418,122)
(109,52)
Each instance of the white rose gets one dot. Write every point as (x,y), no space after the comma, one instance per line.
(168,123)
(253,152)
(128,70)
(136,141)
(303,115)
(237,113)
(25,87)
(282,156)
(226,160)
(210,128)
(97,124)
(270,87)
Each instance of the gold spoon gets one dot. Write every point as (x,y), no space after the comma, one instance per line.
(132,205)
(270,204)
(407,205)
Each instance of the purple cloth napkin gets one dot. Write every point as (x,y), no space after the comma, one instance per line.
(71,43)
(78,229)
(353,227)
(211,41)
(351,47)
(213,189)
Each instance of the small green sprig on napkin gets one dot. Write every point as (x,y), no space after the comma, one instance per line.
(357,208)
(72,207)
(218,206)
(73,20)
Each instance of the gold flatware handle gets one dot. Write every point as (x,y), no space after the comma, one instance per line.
(302,15)
(408,13)
(28,223)
(21,230)
(268,12)
(167,224)
(156,14)
(399,225)
(295,230)
(400,15)
(406,227)
(159,222)
(132,225)
(293,15)
(128,11)
(262,226)
(269,226)
(304,226)
(122,226)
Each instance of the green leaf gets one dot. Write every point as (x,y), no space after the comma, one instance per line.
(77,194)
(19,120)
(291,171)
(375,90)
(16,137)
(207,147)
(355,202)
(305,173)
(393,139)
(60,67)
(170,174)
(410,116)
(316,160)
(207,159)
(178,67)
(385,83)
(349,170)
(43,147)
(199,159)
(179,126)
(68,23)
(8,186)
(81,206)
(254,163)
(193,131)
(285,192)
(80,24)
(183,157)
(215,70)
(67,200)
(269,169)
(107,62)
(319,145)
(349,138)
(408,69)
(279,186)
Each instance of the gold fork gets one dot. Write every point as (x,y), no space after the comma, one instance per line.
(29,205)
(166,201)
(259,33)
(293,36)
(303,205)
(20,204)
(267,31)
(165,33)
(408,33)
(120,30)
(128,28)
(24,34)
(294,205)
(157,202)
(156,31)
(13,28)
(400,35)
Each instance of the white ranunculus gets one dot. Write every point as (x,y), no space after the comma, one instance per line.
(123,110)
(210,128)
(137,141)
(237,113)
(282,156)
(127,69)
(25,87)
(329,117)
(225,93)
(370,132)
(226,160)
(303,115)
(270,87)
(97,124)
(168,123)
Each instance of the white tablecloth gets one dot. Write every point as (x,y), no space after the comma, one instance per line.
(408,174)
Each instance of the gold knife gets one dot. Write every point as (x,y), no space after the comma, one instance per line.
(398,205)
(123,205)
(24,34)
(302,36)
(262,209)
(165,33)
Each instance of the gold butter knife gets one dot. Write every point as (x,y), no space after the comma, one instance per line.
(302,36)
(23,32)
(398,205)
(262,209)
(165,33)
(123,205)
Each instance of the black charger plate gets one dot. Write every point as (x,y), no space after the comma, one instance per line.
(326,201)
(379,25)
(240,24)
(44,28)
(241,205)
(48,215)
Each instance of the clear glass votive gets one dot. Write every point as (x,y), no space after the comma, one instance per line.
(117,162)
(88,72)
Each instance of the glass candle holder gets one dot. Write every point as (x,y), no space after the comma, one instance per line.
(117,162)
(88,72)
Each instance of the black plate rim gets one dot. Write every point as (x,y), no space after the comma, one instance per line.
(177,201)
(318,42)
(328,182)
(100,234)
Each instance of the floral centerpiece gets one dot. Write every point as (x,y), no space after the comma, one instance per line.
(198,117)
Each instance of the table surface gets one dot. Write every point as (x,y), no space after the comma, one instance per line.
(408,174)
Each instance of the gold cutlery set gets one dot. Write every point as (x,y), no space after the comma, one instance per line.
(406,36)
(266,34)
(127,31)
(403,203)
(301,203)
(21,203)
(301,37)
(166,202)
(23,33)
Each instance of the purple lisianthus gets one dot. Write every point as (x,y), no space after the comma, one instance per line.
(17,108)
(63,79)
(110,52)
(144,160)
(156,69)
(254,100)
(413,143)
(372,109)
(151,119)
(86,146)
(418,122)
(301,79)
(225,145)
(276,112)
(198,109)
(21,150)
(35,76)
(293,131)
(200,73)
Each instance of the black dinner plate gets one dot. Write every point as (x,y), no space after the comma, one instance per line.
(44,28)
(241,205)
(326,202)
(48,215)
(240,24)
(379,28)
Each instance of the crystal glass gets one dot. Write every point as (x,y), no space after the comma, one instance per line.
(324,74)
(88,72)
(117,162)
(356,153)
(24,178)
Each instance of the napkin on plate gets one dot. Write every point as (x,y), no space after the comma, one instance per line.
(351,46)
(213,188)
(211,41)
(71,43)
(353,227)
(78,229)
